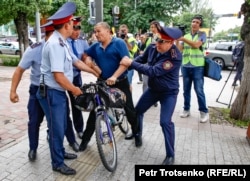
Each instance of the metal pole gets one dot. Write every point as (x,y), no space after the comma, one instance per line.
(38,29)
(99,10)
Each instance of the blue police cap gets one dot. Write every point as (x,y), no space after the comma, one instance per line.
(48,26)
(169,33)
(64,13)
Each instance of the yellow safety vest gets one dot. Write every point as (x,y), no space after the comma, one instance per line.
(135,47)
(193,55)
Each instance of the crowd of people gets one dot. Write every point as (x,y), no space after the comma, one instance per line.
(56,64)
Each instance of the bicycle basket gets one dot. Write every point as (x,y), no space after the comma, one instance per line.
(113,97)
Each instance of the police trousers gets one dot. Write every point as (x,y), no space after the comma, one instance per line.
(167,101)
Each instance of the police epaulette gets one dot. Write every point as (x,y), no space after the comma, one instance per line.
(61,42)
(37,44)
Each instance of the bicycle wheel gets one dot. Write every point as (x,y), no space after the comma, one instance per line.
(106,143)
(123,126)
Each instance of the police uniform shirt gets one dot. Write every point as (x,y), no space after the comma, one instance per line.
(81,45)
(56,57)
(162,69)
(32,59)
(108,59)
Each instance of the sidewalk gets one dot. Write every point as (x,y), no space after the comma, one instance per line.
(196,143)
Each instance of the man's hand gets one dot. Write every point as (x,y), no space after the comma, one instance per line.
(126,61)
(111,80)
(14,97)
(76,91)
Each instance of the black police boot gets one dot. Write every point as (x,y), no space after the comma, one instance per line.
(32,155)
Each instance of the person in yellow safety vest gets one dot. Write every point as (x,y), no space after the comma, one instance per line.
(192,46)
(132,47)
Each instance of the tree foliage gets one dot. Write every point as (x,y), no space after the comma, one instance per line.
(135,13)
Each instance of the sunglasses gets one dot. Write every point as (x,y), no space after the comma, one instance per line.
(76,27)
(161,41)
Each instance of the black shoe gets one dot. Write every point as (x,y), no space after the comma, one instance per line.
(75,146)
(32,155)
(83,145)
(80,135)
(234,84)
(138,140)
(129,136)
(168,161)
(64,169)
(69,156)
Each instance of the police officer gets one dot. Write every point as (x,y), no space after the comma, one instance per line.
(78,45)
(56,77)
(31,59)
(163,64)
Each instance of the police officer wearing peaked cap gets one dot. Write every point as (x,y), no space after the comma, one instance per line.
(78,45)
(163,65)
(56,78)
(69,131)
(31,59)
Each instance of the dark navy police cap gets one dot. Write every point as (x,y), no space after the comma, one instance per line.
(64,13)
(170,33)
(77,18)
(48,26)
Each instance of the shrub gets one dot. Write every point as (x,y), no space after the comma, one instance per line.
(10,60)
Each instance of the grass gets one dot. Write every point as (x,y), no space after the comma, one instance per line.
(221,116)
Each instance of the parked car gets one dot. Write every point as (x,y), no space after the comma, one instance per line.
(11,48)
(221,53)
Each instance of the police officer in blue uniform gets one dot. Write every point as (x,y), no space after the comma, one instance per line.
(31,59)
(163,64)
(56,78)
(78,44)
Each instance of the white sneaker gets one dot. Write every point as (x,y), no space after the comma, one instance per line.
(185,114)
(204,117)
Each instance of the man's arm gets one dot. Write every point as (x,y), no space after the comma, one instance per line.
(16,78)
(66,84)
(84,67)
(193,44)
(119,71)
(88,61)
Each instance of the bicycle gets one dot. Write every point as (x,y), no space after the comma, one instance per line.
(108,104)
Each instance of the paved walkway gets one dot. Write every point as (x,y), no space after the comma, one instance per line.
(196,143)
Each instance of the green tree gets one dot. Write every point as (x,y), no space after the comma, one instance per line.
(196,7)
(136,14)
(20,12)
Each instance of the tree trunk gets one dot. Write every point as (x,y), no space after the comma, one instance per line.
(240,109)
(21,23)
(248,132)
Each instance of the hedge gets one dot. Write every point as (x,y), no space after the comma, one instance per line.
(9,60)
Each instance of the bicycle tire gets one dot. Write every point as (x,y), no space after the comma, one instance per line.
(124,127)
(106,144)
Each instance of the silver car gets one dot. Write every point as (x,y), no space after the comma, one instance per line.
(11,48)
(221,53)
